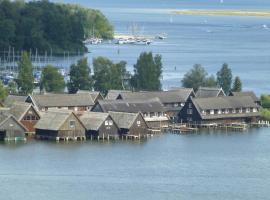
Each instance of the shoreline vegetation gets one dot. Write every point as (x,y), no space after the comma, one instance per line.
(243,13)
(44,26)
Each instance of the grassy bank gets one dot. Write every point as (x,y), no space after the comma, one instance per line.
(245,13)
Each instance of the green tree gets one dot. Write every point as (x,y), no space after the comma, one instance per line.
(3,92)
(210,81)
(195,78)
(237,84)
(52,80)
(224,78)
(80,77)
(147,72)
(12,87)
(25,78)
(108,75)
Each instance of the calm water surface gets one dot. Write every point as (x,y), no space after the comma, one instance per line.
(199,166)
(242,42)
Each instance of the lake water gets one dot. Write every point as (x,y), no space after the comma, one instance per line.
(242,42)
(224,166)
(205,166)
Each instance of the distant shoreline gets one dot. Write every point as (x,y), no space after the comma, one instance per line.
(244,13)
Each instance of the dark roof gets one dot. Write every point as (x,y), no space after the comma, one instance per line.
(226,102)
(132,106)
(204,92)
(124,120)
(113,94)
(53,120)
(62,100)
(14,98)
(93,120)
(171,96)
(246,93)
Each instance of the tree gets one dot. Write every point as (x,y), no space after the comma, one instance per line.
(80,77)
(108,75)
(52,80)
(237,84)
(210,81)
(25,78)
(12,87)
(147,72)
(3,92)
(195,78)
(224,78)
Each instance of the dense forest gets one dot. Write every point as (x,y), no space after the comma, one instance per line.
(49,26)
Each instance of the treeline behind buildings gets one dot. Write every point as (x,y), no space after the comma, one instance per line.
(49,26)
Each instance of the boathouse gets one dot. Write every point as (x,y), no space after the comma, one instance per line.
(26,114)
(11,99)
(130,124)
(247,93)
(60,125)
(74,102)
(113,94)
(172,100)
(152,109)
(220,110)
(11,128)
(206,92)
(99,125)
(94,94)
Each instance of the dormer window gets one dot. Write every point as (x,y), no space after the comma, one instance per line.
(219,112)
(240,110)
(203,112)
(247,110)
(233,111)
(212,112)
(226,111)
(255,110)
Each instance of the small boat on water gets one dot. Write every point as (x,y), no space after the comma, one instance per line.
(93,41)
(161,36)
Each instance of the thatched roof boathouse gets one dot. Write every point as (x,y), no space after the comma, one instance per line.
(99,125)
(220,110)
(130,124)
(60,125)
(11,128)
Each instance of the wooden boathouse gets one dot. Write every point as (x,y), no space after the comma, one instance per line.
(11,128)
(25,113)
(60,125)
(99,125)
(220,110)
(131,125)
(152,110)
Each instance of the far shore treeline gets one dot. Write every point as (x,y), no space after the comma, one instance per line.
(48,26)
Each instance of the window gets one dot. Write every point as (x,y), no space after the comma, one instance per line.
(11,125)
(189,119)
(189,111)
(72,124)
(175,104)
(110,122)
(240,110)
(203,112)
(182,104)
(226,111)
(212,112)
(219,112)
(233,111)
(247,110)
(138,122)
(106,123)
(255,110)
(190,105)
